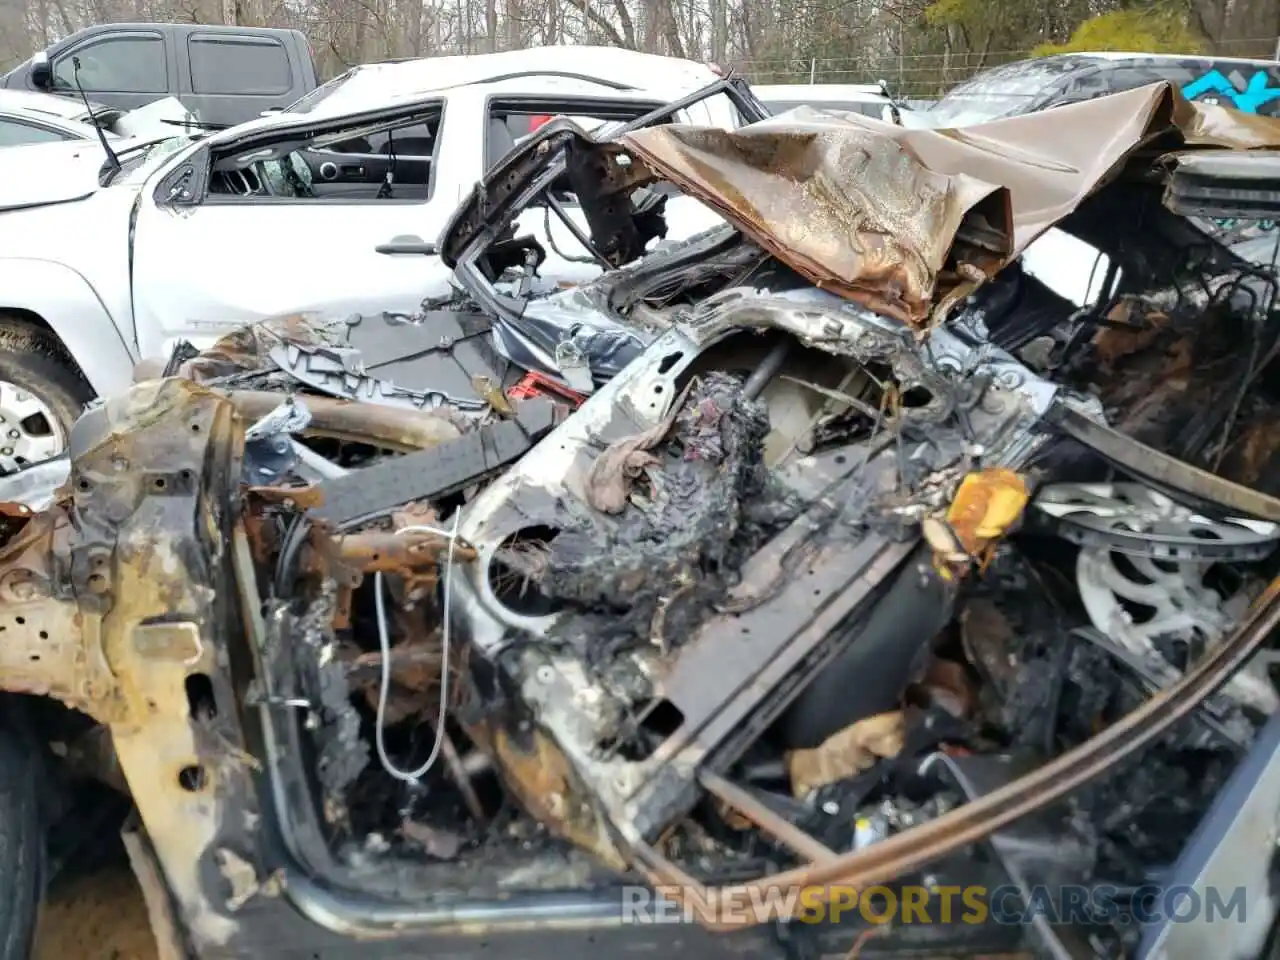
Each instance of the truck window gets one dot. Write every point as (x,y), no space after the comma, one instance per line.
(868,108)
(351,162)
(510,121)
(127,64)
(15,133)
(239,66)
(416,140)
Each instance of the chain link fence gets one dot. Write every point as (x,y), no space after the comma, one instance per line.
(927,76)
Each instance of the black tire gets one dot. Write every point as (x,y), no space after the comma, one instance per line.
(22,845)
(33,359)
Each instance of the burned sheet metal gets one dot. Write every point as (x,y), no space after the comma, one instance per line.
(711,671)
(340,371)
(625,601)
(1223,185)
(565,335)
(397,429)
(841,202)
(447,468)
(118,600)
(892,249)
(1046,785)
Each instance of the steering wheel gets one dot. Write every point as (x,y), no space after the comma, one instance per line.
(298,172)
(287,177)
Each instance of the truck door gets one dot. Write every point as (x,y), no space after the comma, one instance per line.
(232,78)
(292,218)
(125,68)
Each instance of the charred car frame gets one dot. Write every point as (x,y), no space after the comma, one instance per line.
(828,550)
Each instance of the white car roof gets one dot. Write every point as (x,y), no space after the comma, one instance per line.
(535,86)
(48,172)
(39,173)
(599,69)
(854,92)
(41,103)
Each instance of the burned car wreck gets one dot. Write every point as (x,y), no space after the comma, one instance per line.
(827,550)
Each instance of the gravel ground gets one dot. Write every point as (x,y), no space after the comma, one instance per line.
(95,916)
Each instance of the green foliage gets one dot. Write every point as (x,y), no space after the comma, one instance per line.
(951,11)
(1141,31)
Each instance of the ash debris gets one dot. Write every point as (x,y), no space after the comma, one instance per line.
(657,572)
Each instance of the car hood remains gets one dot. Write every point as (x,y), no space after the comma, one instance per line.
(905,220)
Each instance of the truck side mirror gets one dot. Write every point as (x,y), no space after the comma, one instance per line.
(41,72)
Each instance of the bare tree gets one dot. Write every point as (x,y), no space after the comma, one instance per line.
(919,46)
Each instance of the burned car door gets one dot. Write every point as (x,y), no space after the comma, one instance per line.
(267,223)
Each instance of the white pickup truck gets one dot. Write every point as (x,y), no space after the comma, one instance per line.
(328,208)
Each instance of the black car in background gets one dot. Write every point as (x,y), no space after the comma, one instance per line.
(223,75)
(1027,86)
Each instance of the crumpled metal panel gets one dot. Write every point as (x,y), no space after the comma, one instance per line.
(1225,185)
(872,211)
(835,198)
(537,339)
(339,371)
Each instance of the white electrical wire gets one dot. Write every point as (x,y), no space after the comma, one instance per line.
(413,776)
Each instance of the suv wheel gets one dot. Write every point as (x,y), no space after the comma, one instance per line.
(41,394)
(21,845)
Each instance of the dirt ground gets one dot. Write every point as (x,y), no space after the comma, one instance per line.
(95,916)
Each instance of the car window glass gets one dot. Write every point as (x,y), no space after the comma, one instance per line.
(344,163)
(1067,265)
(115,65)
(869,108)
(510,123)
(14,133)
(242,66)
(418,140)
(1009,91)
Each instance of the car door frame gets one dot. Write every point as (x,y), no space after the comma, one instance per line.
(231,107)
(23,120)
(631,105)
(179,187)
(646,104)
(187,183)
(127,100)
